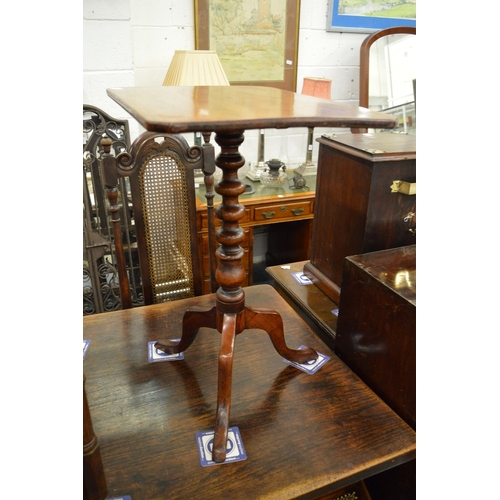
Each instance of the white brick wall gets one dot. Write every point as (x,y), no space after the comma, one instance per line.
(131,43)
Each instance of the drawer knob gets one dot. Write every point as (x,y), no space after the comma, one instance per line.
(268,215)
(297,211)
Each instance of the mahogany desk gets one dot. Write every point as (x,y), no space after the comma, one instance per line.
(146,415)
(273,206)
(228,111)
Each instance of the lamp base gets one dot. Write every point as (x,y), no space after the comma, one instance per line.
(307,168)
(256,171)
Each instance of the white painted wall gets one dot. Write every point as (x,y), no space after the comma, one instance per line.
(131,43)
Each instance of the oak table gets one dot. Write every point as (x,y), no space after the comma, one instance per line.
(305,435)
(229,111)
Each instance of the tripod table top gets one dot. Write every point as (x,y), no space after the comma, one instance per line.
(237,108)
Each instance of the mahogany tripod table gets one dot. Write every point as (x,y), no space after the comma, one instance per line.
(229,111)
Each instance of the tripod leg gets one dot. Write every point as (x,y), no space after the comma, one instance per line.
(270,321)
(224,387)
(194,319)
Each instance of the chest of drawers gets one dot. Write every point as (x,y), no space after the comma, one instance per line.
(359,206)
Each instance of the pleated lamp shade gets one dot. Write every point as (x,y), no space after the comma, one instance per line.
(195,67)
(317,87)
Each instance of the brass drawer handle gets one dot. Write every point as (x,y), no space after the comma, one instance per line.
(297,211)
(404,187)
(268,215)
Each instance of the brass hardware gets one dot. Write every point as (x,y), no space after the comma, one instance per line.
(347,496)
(268,215)
(413,231)
(282,209)
(409,216)
(297,211)
(404,187)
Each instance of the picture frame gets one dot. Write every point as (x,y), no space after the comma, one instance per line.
(366,16)
(256,40)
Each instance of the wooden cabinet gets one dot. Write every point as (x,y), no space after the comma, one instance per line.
(376,328)
(356,208)
(289,214)
(376,338)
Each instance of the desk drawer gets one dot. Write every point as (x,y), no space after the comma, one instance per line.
(204,219)
(283,211)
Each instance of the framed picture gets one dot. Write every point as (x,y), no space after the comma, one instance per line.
(366,16)
(256,40)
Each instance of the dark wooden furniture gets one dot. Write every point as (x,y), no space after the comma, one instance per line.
(357,207)
(159,170)
(305,436)
(313,306)
(288,212)
(376,338)
(146,250)
(228,111)
(100,276)
(376,329)
(94,478)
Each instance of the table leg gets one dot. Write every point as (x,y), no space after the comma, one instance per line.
(230,316)
(94,479)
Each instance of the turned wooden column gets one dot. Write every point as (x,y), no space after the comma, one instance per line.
(110,175)
(230,273)
(94,480)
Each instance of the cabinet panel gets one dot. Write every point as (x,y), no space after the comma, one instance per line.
(289,242)
(356,211)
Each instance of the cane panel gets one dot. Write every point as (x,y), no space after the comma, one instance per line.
(163,186)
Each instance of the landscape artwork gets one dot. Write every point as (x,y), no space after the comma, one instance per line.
(379,8)
(254,39)
(370,15)
(249,37)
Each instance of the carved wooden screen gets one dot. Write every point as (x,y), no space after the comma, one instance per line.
(100,278)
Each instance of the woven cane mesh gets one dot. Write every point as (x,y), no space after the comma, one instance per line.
(166,219)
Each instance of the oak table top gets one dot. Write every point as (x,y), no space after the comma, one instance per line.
(146,415)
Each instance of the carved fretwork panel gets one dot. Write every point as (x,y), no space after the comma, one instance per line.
(101,291)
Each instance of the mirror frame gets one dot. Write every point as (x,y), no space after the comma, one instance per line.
(364,58)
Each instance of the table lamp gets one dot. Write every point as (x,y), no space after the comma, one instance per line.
(258,168)
(195,67)
(316,87)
